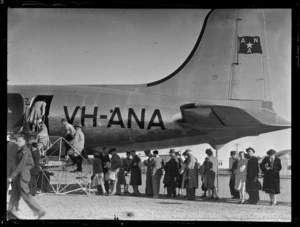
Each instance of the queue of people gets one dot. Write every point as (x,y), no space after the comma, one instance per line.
(111,173)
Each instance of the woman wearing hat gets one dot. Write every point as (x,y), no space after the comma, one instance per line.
(270,166)
(240,176)
(136,173)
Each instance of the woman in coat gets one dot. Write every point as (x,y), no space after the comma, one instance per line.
(240,176)
(136,173)
(270,166)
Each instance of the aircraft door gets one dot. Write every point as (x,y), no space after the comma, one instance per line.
(15,112)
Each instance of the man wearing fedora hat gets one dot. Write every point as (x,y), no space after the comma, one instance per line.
(171,175)
(191,174)
(252,183)
(77,145)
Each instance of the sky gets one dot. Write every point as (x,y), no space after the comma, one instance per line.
(132,46)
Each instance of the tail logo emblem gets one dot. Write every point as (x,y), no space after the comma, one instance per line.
(249,45)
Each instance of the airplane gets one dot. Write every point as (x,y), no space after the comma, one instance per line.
(220,93)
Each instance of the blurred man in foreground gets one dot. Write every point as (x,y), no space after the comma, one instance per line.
(22,178)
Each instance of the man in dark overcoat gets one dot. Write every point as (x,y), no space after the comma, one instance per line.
(252,184)
(22,177)
(171,175)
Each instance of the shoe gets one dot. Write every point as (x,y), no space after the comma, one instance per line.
(241,202)
(203,196)
(41,214)
(216,198)
(272,204)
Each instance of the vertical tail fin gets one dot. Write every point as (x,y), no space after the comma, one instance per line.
(214,69)
(250,74)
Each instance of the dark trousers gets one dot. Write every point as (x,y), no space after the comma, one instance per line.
(21,189)
(79,162)
(191,193)
(253,197)
(233,192)
(171,189)
(33,185)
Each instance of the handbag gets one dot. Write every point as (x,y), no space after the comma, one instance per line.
(110,175)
